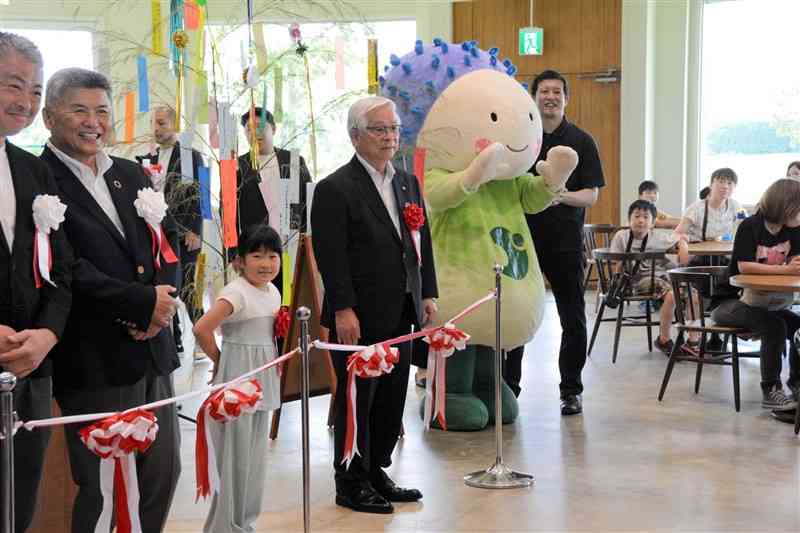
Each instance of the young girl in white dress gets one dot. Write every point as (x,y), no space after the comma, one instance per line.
(245,309)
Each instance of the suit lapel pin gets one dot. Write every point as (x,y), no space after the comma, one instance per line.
(117,184)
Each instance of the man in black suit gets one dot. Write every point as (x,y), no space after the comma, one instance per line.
(31,318)
(183,199)
(117,351)
(259,191)
(375,289)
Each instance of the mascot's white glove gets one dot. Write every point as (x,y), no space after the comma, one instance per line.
(486,166)
(560,162)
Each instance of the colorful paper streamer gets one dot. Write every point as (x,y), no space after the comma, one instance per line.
(339,63)
(419,167)
(261,48)
(158,31)
(191,14)
(227,169)
(372,66)
(199,278)
(277,112)
(130,116)
(144,86)
(204,178)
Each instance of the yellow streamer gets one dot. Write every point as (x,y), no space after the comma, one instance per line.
(372,66)
(199,280)
(158,33)
(288,274)
(261,48)
(181,39)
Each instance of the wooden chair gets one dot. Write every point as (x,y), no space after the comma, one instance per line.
(701,280)
(606,262)
(595,236)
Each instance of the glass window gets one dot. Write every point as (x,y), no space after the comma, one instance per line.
(61,49)
(330,104)
(750,110)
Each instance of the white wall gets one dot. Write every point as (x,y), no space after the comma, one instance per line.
(660,66)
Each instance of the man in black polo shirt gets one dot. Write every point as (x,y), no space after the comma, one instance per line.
(558,236)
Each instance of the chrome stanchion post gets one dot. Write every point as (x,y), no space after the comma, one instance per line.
(498,476)
(303,315)
(7,383)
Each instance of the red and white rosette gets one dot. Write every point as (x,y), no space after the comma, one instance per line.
(414,217)
(114,440)
(48,214)
(372,362)
(151,206)
(223,406)
(443,342)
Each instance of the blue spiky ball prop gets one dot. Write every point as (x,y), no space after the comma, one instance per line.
(415,81)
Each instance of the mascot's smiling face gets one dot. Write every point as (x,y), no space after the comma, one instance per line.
(477,109)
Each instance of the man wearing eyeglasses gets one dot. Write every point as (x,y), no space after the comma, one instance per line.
(376,288)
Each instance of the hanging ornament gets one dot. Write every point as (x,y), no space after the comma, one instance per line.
(180,39)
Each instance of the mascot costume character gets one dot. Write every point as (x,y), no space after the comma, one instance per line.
(480,131)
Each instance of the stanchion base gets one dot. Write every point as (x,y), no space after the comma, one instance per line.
(498,476)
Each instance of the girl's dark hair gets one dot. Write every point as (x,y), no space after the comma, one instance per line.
(259,237)
(724,173)
(781,201)
(792,164)
(647,185)
(704,192)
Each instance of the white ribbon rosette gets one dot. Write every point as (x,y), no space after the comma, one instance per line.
(444,341)
(223,406)
(48,214)
(151,206)
(114,440)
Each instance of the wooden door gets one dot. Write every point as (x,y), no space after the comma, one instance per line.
(582,40)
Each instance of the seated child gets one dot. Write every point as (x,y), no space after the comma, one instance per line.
(715,216)
(641,237)
(769,243)
(648,190)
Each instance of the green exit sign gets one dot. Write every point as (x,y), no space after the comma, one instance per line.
(531,41)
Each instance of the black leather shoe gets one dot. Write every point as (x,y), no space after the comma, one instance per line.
(365,500)
(571,405)
(387,488)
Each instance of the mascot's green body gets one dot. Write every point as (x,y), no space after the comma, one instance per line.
(481,132)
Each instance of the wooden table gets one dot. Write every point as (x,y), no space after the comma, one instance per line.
(711,248)
(770,283)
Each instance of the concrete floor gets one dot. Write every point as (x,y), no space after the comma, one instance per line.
(629,463)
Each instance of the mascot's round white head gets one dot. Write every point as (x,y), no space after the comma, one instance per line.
(454,100)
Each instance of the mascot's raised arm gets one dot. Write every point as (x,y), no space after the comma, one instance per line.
(480,131)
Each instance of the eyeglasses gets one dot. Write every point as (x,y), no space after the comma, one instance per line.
(380,131)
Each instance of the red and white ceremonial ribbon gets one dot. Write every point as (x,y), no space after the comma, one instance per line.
(443,343)
(372,362)
(223,406)
(91,417)
(42,259)
(161,246)
(114,439)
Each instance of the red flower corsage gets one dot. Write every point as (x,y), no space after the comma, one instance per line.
(414,217)
(282,320)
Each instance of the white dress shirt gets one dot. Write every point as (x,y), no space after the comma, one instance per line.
(270,187)
(94,183)
(383,182)
(8,200)
(164,155)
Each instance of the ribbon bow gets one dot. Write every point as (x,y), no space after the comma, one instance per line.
(223,406)
(443,342)
(114,439)
(372,362)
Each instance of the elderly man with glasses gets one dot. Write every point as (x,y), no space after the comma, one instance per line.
(378,284)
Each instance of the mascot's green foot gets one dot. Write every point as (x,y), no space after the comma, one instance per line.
(483,387)
(463,412)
